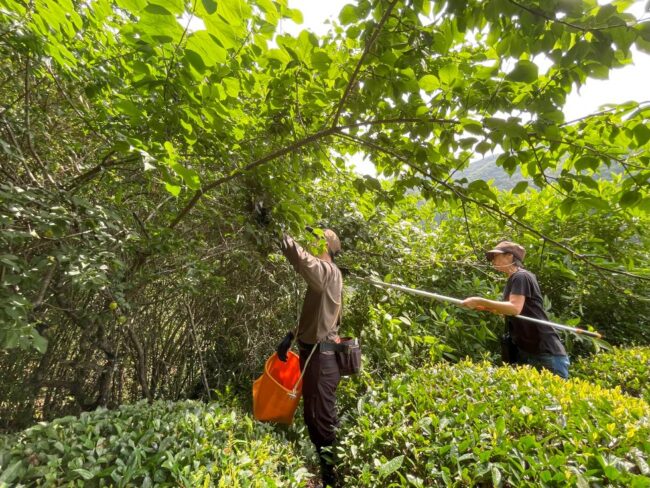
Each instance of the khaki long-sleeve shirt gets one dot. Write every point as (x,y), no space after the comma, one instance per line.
(322,304)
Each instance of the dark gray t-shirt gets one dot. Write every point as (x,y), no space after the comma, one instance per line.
(529,336)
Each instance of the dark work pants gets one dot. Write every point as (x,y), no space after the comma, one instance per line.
(319,395)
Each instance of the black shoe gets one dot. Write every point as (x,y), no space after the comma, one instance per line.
(328,471)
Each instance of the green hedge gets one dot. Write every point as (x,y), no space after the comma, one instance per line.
(628,369)
(163,444)
(478,425)
(444,425)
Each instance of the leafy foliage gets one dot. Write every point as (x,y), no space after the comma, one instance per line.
(136,138)
(162,444)
(443,424)
(475,424)
(627,369)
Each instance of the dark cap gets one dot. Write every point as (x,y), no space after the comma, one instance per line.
(507,247)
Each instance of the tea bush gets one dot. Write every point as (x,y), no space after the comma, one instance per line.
(478,425)
(628,369)
(163,444)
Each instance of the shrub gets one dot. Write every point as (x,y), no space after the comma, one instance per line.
(163,444)
(628,369)
(476,424)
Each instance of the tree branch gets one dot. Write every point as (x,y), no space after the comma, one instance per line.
(292,147)
(353,79)
(541,13)
(91,173)
(269,157)
(459,192)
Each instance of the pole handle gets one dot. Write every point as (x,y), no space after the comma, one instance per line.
(459,303)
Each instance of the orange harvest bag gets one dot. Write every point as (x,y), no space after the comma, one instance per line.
(276,393)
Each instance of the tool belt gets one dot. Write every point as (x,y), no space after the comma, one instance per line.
(348,353)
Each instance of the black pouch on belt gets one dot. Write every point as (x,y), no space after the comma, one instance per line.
(348,356)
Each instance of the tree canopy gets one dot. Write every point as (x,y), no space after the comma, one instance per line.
(136,136)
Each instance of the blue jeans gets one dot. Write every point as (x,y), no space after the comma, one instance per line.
(558,365)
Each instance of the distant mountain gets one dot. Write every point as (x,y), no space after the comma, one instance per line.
(486,169)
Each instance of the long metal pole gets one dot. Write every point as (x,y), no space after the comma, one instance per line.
(456,301)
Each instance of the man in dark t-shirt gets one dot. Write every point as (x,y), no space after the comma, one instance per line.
(537,344)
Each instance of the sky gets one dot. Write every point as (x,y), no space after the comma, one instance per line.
(630,83)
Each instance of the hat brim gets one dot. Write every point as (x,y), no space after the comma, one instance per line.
(490,254)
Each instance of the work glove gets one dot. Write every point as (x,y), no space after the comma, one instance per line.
(284,346)
(262,214)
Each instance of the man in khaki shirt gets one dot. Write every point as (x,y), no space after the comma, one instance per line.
(317,331)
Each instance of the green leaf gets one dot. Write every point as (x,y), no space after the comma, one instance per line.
(204,46)
(11,339)
(520,187)
(630,198)
(391,466)
(174,6)
(448,74)
(483,147)
(567,205)
(524,71)
(210,6)
(129,108)
(429,83)
(232,87)
(295,15)
(157,9)
(39,342)
(320,60)
(133,6)
(173,189)
(190,177)
(496,476)
(234,12)
(348,15)
(372,183)
(472,126)
(482,188)
(612,473)
(84,473)
(641,134)
(11,473)
(587,162)
(160,28)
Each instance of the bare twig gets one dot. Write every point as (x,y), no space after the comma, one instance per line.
(469,234)
(28,129)
(204,377)
(46,283)
(141,360)
(21,157)
(63,92)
